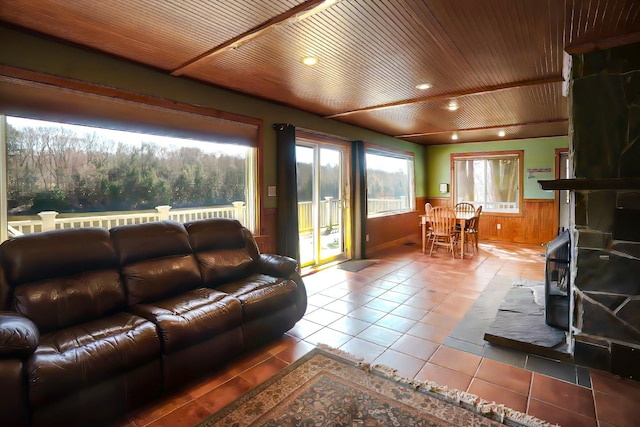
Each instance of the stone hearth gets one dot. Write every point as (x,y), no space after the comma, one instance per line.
(520,323)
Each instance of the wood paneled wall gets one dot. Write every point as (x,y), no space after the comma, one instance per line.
(392,230)
(535,226)
(268,235)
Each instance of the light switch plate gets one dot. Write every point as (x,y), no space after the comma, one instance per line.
(271,191)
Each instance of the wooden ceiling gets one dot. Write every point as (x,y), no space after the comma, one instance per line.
(501,61)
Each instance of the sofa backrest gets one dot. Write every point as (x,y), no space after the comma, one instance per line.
(224,248)
(63,277)
(156,260)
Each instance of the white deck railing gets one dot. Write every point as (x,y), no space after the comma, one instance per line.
(49,220)
(330,216)
(381,205)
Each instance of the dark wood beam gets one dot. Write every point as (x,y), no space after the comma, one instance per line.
(608,43)
(439,132)
(296,14)
(457,94)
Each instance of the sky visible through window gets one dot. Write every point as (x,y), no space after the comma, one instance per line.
(387,163)
(134,138)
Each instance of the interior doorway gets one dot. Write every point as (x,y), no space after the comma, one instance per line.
(323,201)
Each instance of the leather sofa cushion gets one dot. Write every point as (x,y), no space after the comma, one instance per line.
(19,336)
(138,242)
(224,265)
(192,317)
(157,260)
(82,355)
(159,278)
(59,253)
(261,295)
(216,233)
(65,301)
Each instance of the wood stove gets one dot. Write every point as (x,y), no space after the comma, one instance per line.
(556,282)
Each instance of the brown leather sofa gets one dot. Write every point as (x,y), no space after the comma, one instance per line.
(96,322)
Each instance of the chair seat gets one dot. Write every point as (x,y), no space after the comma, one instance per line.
(191,317)
(80,356)
(444,230)
(261,294)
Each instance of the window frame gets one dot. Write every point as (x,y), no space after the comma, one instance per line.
(396,154)
(491,155)
(14,81)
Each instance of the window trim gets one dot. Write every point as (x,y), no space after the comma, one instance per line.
(398,154)
(488,155)
(13,80)
(4,220)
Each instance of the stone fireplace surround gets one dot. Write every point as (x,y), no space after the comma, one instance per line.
(604,135)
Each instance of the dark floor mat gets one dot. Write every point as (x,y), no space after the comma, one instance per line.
(356,264)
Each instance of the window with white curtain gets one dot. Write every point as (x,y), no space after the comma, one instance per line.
(491,181)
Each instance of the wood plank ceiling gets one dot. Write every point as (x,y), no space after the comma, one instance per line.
(500,61)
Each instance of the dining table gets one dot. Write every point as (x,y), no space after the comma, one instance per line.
(461,218)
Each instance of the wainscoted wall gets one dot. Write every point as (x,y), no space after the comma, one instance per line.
(538,224)
(393,230)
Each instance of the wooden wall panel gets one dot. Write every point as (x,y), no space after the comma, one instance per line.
(393,230)
(267,237)
(535,226)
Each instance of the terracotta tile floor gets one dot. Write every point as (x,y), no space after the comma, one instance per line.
(398,312)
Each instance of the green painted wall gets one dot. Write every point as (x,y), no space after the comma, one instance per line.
(33,53)
(538,153)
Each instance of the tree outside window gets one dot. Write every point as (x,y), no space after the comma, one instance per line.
(79,169)
(390,184)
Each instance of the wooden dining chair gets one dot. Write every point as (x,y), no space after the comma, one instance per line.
(427,212)
(443,228)
(464,207)
(471,232)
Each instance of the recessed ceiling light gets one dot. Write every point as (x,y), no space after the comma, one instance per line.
(452,106)
(309,60)
(501,133)
(423,86)
(454,136)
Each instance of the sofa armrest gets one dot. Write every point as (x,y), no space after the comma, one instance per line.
(19,336)
(277,265)
(285,267)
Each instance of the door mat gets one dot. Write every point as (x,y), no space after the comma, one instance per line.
(355,265)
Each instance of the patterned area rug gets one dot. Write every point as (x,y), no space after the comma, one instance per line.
(331,388)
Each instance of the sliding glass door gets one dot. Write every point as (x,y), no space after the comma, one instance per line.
(322,187)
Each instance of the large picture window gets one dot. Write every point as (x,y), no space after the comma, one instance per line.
(64,176)
(84,155)
(493,181)
(390,182)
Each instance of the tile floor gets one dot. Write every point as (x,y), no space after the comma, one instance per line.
(400,313)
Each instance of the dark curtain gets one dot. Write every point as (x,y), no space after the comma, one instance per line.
(359,198)
(288,235)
